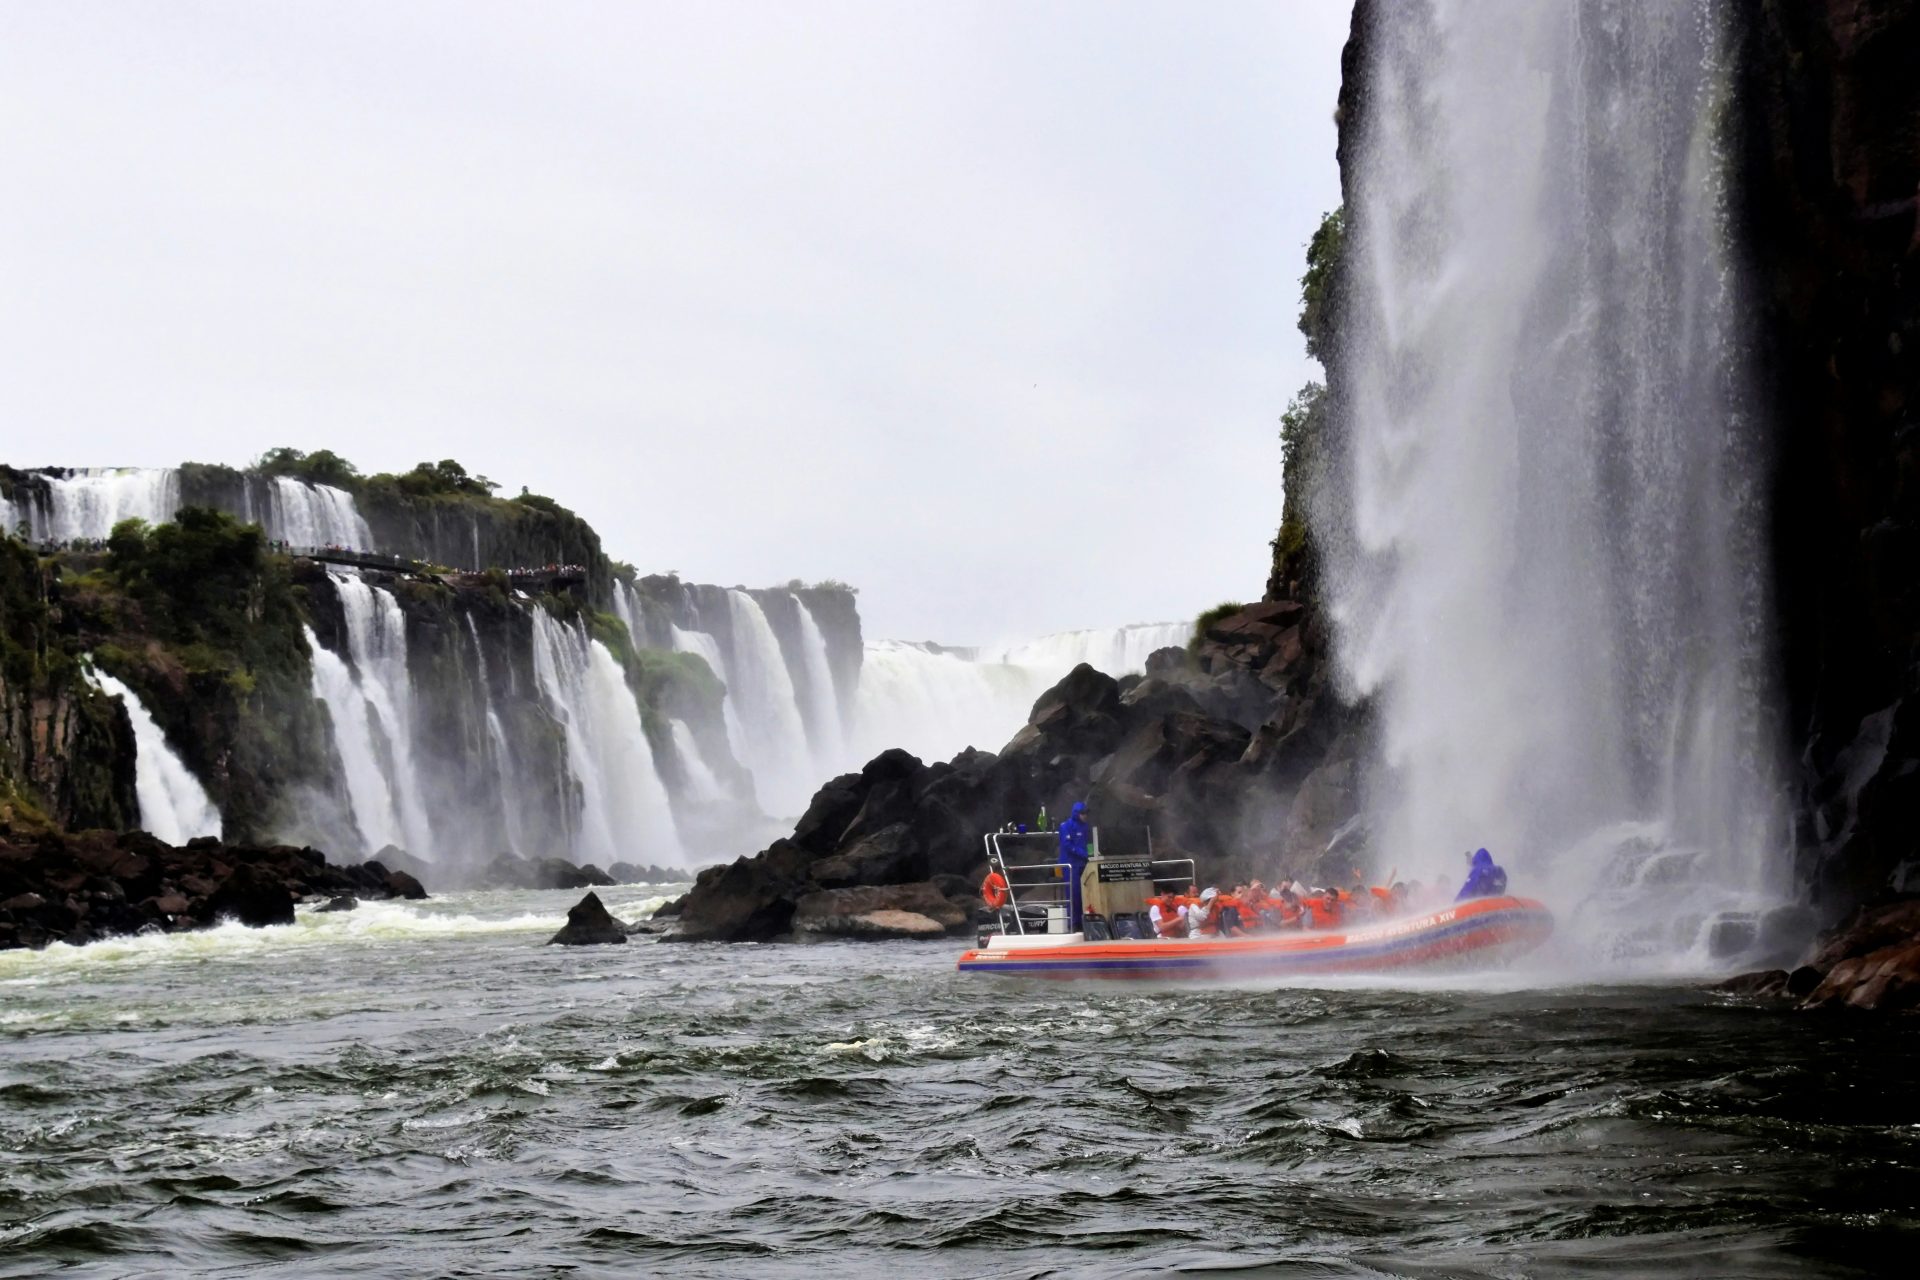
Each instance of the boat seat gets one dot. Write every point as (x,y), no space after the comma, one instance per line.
(1126,927)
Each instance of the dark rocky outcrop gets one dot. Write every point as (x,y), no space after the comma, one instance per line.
(875,913)
(94,884)
(1870,963)
(1204,754)
(1831,215)
(508,871)
(589,925)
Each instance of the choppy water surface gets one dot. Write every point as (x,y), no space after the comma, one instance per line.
(427,1090)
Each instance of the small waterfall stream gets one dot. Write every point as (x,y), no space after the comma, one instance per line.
(822,711)
(758,683)
(314,515)
(623,814)
(173,805)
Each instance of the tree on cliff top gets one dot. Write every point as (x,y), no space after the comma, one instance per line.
(1317,297)
(445,476)
(322,466)
(200,578)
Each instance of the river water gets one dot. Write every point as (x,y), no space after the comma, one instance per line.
(424,1089)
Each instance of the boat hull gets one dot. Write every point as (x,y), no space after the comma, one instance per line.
(1479,933)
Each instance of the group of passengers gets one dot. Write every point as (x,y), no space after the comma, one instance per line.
(1252,908)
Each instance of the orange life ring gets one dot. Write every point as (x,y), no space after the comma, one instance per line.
(994,890)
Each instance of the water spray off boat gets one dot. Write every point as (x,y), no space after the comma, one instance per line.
(1080,914)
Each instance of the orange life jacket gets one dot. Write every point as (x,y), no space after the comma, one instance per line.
(1325,915)
(1169,925)
(1228,900)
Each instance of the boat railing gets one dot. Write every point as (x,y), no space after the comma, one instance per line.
(1038,897)
(1036,890)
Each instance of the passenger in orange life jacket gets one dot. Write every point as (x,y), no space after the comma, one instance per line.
(1324,910)
(1287,911)
(1256,914)
(1203,918)
(1169,915)
(1232,912)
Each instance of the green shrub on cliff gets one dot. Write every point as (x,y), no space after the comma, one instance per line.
(1225,609)
(203,577)
(432,479)
(322,466)
(1302,463)
(1317,286)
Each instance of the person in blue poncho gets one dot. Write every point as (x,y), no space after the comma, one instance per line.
(1073,860)
(1485,879)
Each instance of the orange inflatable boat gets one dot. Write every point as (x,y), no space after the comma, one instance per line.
(1472,934)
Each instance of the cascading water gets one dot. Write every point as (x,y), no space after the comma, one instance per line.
(314,515)
(372,713)
(623,814)
(364,775)
(703,785)
(173,804)
(86,503)
(1543,535)
(760,687)
(935,701)
(821,713)
(1114,650)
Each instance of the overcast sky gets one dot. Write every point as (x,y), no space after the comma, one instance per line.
(985,308)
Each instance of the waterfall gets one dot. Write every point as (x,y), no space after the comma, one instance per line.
(500,769)
(314,515)
(762,691)
(623,813)
(703,785)
(372,707)
(935,701)
(365,777)
(86,503)
(173,805)
(1114,650)
(1545,528)
(821,713)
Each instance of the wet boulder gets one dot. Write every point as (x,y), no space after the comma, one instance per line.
(888,856)
(1886,980)
(878,913)
(589,924)
(400,884)
(344,902)
(251,897)
(747,900)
